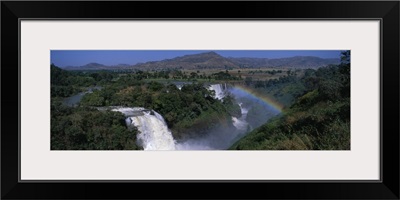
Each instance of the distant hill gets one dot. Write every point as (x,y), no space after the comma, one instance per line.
(90,66)
(212,60)
(196,61)
(97,66)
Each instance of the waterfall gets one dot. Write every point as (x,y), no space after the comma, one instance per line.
(241,123)
(219,90)
(154,133)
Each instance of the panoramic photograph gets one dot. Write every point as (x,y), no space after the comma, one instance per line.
(200,99)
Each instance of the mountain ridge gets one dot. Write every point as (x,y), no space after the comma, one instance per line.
(212,60)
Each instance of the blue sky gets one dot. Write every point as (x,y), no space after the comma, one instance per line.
(63,58)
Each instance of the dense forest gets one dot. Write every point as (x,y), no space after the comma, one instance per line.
(316,114)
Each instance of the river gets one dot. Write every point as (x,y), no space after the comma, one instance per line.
(75,99)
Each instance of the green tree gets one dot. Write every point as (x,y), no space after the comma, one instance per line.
(93,99)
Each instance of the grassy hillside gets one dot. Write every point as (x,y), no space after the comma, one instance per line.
(319,119)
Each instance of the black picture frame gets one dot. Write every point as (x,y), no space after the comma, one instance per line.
(386,11)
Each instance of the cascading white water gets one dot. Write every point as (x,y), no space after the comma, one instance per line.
(219,91)
(154,133)
(243,110)
(241,123)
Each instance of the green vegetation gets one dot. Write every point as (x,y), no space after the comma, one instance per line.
(284,90)
(317,120)
(192,106)
(66,83)
(191,110)
(85,128)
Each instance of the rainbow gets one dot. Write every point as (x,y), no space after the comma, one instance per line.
(270,102)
